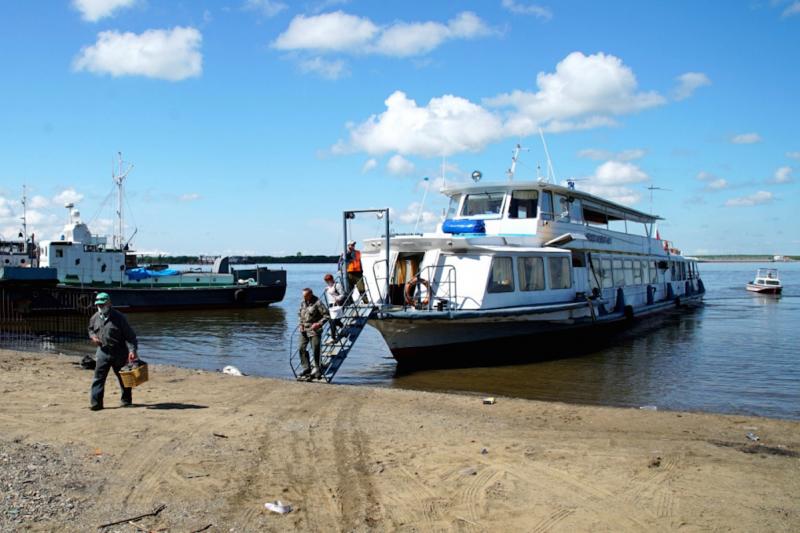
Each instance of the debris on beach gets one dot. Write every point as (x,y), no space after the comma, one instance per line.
(753,437)
(649,408)
(489,400)
(278,507)
(655,462)
(232,371)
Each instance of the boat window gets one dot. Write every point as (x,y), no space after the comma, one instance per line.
(637,272)
(683,270)
(562,208)
(605,274)
(546,206)
(501,275)
(452,209)
(531,273)
(578,259)
(559,272)
(484,203)
(523,204)
(619,274)
(59,253)
(773,282)
(628,272)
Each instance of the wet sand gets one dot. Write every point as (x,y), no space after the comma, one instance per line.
(214,448)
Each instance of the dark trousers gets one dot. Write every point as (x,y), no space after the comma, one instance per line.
(356,279)
(305,338)
(106,362)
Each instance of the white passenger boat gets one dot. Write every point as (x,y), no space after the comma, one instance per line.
(516,259)
(766,281)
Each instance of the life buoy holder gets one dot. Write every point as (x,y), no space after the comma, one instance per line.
(412,285)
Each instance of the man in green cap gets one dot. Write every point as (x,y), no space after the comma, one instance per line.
(116,345)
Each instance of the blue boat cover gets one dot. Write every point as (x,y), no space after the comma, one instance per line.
(143,273)
(463,226)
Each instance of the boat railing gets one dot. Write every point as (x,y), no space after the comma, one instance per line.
(440,281)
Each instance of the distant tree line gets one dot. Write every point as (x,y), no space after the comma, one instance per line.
(238,259)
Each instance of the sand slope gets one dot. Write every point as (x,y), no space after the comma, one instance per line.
(364,459)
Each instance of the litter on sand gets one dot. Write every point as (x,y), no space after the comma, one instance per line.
(489,400)
(649,408)
(232,370)
(278,507)
(753,437)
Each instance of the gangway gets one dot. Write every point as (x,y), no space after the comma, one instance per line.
(354,314)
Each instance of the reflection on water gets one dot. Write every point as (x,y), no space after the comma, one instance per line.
(736,354)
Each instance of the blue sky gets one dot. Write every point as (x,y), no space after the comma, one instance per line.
(252,124)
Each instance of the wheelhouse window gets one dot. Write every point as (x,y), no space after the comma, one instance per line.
(531,273)
(452,208)
(484,203)
(559,272)
(501,275)
(562,208)
(523,204)
(546,207)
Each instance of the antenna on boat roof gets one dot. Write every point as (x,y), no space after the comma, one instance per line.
(119,179)
(421,205)
(551,173)
(24,216)
(652,188)
(510,172)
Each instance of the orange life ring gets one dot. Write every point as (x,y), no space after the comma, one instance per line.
(411,285)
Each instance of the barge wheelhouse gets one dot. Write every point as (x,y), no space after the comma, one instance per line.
(515,259)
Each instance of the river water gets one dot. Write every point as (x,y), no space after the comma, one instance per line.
(738,353)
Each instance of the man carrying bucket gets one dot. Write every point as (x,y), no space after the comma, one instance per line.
(116,345)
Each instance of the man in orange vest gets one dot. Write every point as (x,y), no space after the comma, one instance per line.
(355,273)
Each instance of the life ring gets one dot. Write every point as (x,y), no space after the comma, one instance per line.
(411,285)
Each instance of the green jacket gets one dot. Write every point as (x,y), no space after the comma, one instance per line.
(311,313)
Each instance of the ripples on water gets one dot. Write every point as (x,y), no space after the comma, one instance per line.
(736,354)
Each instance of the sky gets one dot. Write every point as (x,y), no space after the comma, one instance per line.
(252,124)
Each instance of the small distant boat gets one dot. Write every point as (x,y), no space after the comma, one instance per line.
(766,282)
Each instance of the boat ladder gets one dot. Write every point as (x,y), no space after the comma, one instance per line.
(354,315)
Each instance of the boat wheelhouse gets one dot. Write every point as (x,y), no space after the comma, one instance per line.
(514,259)
(766,281)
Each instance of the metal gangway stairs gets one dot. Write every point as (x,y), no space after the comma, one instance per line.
(353,316)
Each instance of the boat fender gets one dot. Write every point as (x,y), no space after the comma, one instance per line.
(412,285)
(628,312)
(240,296)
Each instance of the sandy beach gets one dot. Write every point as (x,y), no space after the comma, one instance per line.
(213,449)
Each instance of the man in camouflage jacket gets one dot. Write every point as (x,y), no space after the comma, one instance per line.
(313,315)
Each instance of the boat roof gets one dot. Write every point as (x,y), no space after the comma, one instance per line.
(589,200)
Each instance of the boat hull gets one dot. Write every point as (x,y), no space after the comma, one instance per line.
(763,290)
(422,339)
(184,298)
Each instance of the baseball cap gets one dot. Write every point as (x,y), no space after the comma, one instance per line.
(101,298)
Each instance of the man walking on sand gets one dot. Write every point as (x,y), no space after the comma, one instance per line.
(313,314)
(116,345)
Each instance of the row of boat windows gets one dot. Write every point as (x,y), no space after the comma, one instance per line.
(619,272)
(530,274)
(523,204)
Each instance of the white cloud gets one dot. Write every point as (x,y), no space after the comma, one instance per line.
(445,126)
(67,196)
(189,197)
(583,92)
(527,9)
(610,179)
(688,83)
(782,175)
(793,155)
(171,55)
(38,202)
(399,165)
(340,32)
(94,10)
(267,8)
(331,70)
(746,138)
(793,9)
(712,182)
(369,165)
(413,213)
(625,155)
(758,198)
